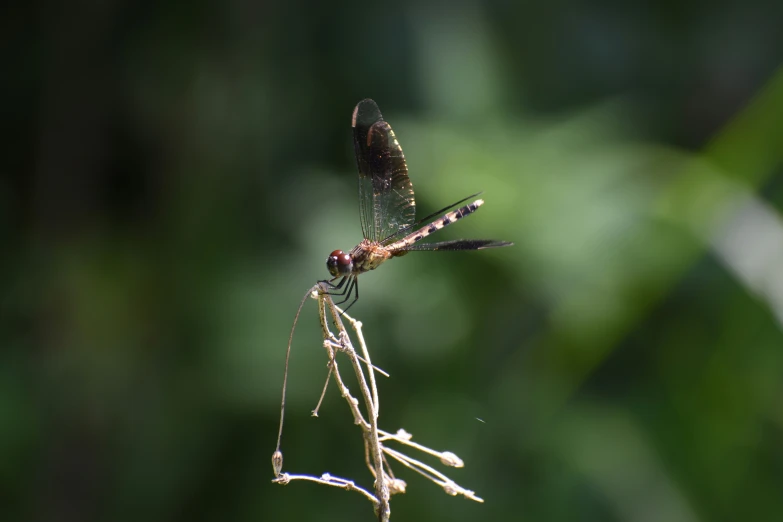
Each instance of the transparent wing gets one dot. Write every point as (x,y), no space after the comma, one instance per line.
(386,200)
(461,244)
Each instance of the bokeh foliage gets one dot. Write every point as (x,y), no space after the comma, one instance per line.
(177,173)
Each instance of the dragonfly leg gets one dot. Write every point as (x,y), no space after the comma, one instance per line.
(337,286)
(347,292)
(356,296)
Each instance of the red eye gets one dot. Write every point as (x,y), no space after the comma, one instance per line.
(339,263)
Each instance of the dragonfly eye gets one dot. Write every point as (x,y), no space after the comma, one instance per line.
(339,263)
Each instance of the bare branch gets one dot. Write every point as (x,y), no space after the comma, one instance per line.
(327,480)
(376,453)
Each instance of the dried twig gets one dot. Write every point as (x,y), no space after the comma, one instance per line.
(376,452)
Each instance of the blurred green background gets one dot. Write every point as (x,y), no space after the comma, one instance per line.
(176,173)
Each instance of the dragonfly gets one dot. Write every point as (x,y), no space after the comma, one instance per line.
(387,208)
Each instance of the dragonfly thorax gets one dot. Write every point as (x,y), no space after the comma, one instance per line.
(339,263)
(368,255)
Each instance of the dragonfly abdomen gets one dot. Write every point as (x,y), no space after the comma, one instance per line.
(436,225)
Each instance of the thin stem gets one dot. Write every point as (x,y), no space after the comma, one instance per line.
(285,374)
(375,453)
(371,401)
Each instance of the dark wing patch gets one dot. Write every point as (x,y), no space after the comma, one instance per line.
(386,200)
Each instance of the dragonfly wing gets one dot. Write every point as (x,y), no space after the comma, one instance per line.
(460,244)
(386,200)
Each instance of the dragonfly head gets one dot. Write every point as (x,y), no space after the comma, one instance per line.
(339,264)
